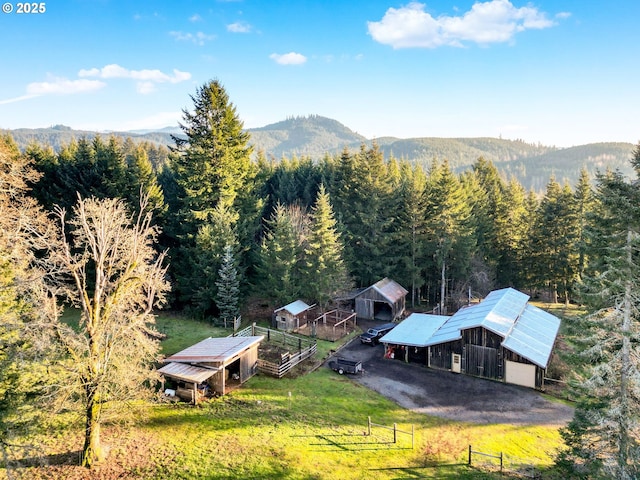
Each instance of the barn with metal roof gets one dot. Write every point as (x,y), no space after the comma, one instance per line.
(504,337)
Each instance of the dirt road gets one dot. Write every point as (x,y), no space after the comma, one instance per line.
(453,396)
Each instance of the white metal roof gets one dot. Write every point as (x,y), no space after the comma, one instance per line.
(295,308)
(188,373)
(214,350)
(527,330)
(414,330)
(533,335)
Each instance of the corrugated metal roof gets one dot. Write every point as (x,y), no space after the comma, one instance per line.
(188,373)
(533,335)
(390,289)
(415,330)
(527,330)
(295,308)
(214,350)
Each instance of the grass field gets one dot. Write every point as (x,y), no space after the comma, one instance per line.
(312,426)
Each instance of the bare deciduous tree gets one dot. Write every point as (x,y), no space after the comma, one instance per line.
(20,301)
(104,262)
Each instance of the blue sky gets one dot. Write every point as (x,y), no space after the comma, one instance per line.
(558,72)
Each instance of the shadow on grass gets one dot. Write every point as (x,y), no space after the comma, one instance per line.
(342,442)
(448,471)
(63,459)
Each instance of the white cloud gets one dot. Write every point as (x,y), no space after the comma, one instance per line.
(239,27)
(195,18)
(116,71)
(291,58)
(146,79)
(487,22)
(63,86)
(199,38)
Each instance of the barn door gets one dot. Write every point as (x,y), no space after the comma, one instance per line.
(456,362)
(481,361)
(521,374)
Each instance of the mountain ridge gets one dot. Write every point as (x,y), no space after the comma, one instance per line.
(315,136)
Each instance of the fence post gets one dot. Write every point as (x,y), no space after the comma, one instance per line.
(369,425)
(394,432)
(469,454)
(412,437)
(500,462)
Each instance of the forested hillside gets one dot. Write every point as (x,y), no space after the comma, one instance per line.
(237,225)
(316,136)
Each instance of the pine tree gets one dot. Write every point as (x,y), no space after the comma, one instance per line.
(325,272)
(555,237)
(603,438)
(280,253)
(450,233)
(363,198)
(213,160)
(228,283)
(410,233)
(210,167)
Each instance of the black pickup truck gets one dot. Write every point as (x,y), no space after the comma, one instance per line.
(343,365)
(373,335)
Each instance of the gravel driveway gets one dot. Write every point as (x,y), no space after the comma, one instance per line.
(450,395)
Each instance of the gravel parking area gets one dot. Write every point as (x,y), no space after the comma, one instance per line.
(450,395)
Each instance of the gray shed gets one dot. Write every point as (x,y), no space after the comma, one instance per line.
(384,300)
(291,316)
(212,366)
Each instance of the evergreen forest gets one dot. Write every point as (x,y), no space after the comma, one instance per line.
(312,228)
(239,225)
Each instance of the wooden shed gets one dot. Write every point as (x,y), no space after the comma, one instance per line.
(213,366)
(384,300)
(292,316)
(503,338)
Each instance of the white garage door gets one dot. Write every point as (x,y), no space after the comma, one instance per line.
(521,374)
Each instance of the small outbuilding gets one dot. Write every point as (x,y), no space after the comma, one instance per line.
(213,366)
(503,338)
(384,300)
(292,316)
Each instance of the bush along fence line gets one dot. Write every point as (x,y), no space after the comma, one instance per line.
(524,471)
(394,429)
(294,349)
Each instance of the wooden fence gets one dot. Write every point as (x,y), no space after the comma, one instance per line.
(394,429)
(523,471)
(305,349)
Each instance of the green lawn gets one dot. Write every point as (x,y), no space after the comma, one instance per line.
(310,427)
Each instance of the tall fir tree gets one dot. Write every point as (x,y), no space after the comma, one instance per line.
(279,275)
(228,283)
(363,198)
(450,235)
(555,237)
(210,166)
(325,270)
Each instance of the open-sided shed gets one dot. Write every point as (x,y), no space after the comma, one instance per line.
(503,337)
(212,366)
(384,300)
(291,316)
